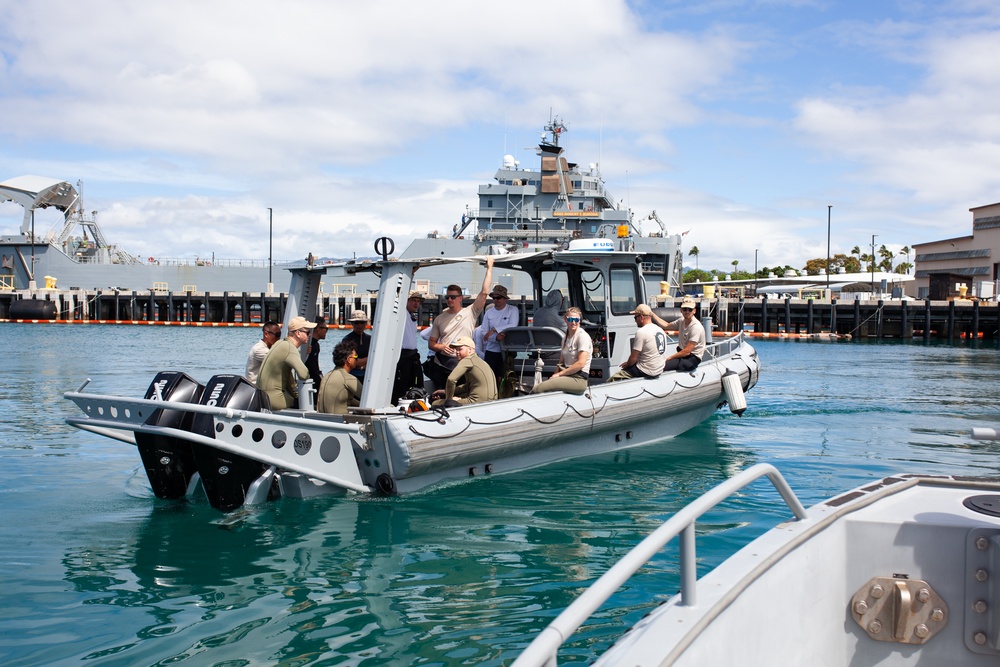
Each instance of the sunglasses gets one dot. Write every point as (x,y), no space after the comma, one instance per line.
(687,310)
(572,319)
(452,296)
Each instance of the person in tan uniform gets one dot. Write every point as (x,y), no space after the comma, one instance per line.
(276,378)
(339,389)
(480,384)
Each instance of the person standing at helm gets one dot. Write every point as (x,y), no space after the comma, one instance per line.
(453,323)
(490,333)
(276,373)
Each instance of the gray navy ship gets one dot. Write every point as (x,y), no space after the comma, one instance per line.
(523,210)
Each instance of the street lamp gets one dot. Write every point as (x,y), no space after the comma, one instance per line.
(755,251)
(270,248)
(828,209)
(873,264)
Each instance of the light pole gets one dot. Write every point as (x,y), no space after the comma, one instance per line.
(828,209)
(873,264)
(270,248)
(755,251)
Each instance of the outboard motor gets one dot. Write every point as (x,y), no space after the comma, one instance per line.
(228,478)
(169,462)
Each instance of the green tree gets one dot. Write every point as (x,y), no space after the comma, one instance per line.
(886,255)
(694,253)
(695,275)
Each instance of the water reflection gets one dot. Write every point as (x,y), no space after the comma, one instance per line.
(466,572)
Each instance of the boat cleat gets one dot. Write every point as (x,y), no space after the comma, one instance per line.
(899,609)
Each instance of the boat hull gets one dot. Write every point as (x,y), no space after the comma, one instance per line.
(524,432)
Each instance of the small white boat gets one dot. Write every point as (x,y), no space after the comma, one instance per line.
(901,571)
(222,434)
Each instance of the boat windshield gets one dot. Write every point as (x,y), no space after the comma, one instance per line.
(592,283)
(625,294)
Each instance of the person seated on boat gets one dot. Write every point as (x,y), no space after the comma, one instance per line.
(271,333)
(690,338)
(409,373)
(573,373)
(312,356)
(453,323)
(471,381)
(548,315)
(496,320)
(649,348)
(276,378)
(362,341)
(339,389)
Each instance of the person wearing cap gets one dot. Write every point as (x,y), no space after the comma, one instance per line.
(648,348)
(276,378)
(312,356)
(339,389)
(453,323)
(573,373)
(690,338)
(270,334)
(478,384)
(409,373)
(362,342)
(496,320)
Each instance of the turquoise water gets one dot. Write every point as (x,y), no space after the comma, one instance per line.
(96,571)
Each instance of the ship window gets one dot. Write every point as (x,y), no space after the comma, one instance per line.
(625,292)
(489,203)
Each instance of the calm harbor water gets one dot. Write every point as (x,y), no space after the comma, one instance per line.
(95,571)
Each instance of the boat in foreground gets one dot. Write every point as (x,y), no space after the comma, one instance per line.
(901,571)
(223,435)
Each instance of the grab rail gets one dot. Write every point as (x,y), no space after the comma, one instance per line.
(543,649)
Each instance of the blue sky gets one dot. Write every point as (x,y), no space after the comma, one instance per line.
(738,122)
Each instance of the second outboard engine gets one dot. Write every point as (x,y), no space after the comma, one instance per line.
(168,461)
(228,477)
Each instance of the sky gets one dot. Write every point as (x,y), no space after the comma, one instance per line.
(753,127)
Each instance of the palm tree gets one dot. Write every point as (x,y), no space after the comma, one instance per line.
(735,263)
(694,253)
(905,250)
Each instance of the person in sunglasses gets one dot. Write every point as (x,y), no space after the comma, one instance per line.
(271,334)
(690,338)
(573,372)
(453,323)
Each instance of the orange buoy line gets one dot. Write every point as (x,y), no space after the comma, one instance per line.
(141,322)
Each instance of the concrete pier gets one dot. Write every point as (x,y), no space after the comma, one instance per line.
(786,317)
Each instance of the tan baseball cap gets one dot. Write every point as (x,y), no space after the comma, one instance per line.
(300,323)
(642,309)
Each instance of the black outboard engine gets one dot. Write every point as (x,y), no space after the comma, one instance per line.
(169,462)
(227,477)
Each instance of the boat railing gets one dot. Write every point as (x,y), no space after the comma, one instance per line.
(722,348)
(543,649)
